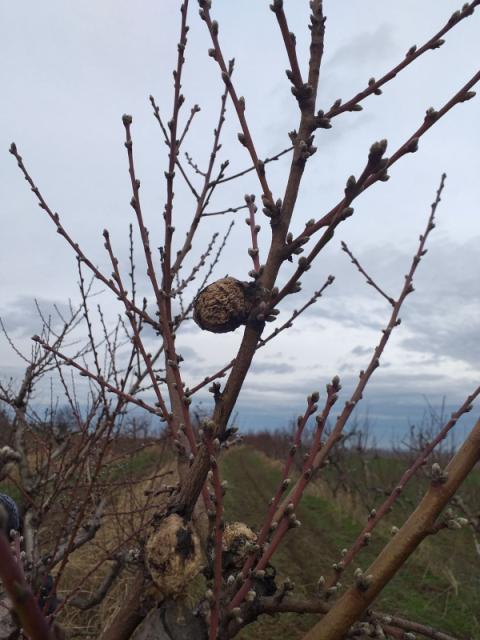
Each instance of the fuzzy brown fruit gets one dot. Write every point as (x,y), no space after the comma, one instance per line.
(235,543)
(173,556)
(224,305)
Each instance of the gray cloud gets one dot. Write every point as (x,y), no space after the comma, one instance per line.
(363,48)
(441,316)
(22,317)
(454,335)
(189,353)
(360,351)
(108,67)
(352,312)
(391,404)
(272,367)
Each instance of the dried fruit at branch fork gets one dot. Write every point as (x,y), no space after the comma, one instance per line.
(237,540)
(224,305)
(173,556)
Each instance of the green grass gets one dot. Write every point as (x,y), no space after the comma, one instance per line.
(10,489)
(135,465)
(440,585)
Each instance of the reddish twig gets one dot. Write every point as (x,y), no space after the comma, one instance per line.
(365,274)
(285,480)
(254,229)
(195,109)
(239,104)
(162,297)
(294,74)
(378,514)
(207,188)
(174,146)
(185,281)
(263,341)
(374,86)
(403,625)
(137,339)
(223,211)
(158,118)
(194,165)
(61,231)
(101,381)
(374,363)
(213,445)
(288,517)
(24,603)
(265,161)
(372,173)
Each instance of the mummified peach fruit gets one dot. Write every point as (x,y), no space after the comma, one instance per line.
(223,305)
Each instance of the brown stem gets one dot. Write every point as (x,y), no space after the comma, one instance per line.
(288,517)
(410,625)
(189,491)
(339,213)
(218,532)
(351,605)
(254,229)
(234,176)
(374,363)
(289,41)
(247,140)
(263,341)
(131,614)
(369,280)
(101,381)
(412,54)
(406,477)
(173,151)
(81,256)
(32,620)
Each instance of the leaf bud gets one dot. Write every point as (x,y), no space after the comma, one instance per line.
(242,139)
(438,43)
(412,146)
(376,151)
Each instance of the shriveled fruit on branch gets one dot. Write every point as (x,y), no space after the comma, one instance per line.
(224,305)
(173,556)
(237,540)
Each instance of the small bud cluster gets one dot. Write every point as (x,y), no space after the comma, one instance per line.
(306,149)
(271,209)
(322,122)
(438,475)
(362,581)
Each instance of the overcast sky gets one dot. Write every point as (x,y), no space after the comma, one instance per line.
(70,70)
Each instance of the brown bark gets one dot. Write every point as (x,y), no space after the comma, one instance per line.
(186,498)
(131,614)
(24,603)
